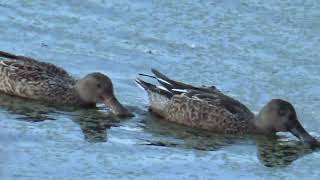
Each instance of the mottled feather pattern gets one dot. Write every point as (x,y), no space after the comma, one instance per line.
(203,114)
(35,70)
(28,78)
(198,107)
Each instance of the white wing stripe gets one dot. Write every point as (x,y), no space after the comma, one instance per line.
(163,88)
(180,90)
(164,81)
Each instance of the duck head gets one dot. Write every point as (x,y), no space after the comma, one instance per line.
(97,87)
(280,116)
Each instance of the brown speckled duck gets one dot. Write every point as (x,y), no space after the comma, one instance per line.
(32,79)
(209,109)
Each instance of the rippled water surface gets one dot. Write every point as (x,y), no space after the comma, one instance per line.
(252,50)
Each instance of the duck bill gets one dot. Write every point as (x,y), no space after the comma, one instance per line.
(115,106)
(304,136)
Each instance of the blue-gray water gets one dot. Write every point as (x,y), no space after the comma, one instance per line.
(253,50)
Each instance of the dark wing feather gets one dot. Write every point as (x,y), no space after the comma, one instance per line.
(153,88)
(172,84)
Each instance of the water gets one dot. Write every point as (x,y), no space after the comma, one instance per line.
(252,50)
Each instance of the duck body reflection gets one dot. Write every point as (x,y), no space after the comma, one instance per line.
(272,151)
(93,121)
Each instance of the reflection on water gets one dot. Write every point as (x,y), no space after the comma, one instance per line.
(271,151)
(25,109)
(276,153)
(93,123)
(254,49)
(189,138)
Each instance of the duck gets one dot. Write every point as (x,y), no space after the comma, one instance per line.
(207,108)
(37,80)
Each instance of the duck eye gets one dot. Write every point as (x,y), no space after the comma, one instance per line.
(98,85)
(282,112)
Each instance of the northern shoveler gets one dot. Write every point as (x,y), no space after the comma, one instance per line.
(32,79)
(209,109)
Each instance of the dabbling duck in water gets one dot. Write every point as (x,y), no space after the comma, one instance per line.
(32,79)
(209,109)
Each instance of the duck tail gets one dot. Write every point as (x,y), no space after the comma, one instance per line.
(153,89)
(170,84)
(163,81)
(166,82)
(14,57)
(8,55)
(159,97)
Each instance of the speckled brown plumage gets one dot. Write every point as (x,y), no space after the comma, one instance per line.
(209,109)
(206,114)
(198,107)
(33,79)
(25,77)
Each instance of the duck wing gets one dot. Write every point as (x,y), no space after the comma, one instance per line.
(182,94)
(221,101)
(176,85)
(32,69)
(210,94)
(29,78)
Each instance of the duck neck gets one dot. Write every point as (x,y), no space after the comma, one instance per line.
(258,127)
(72,97)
